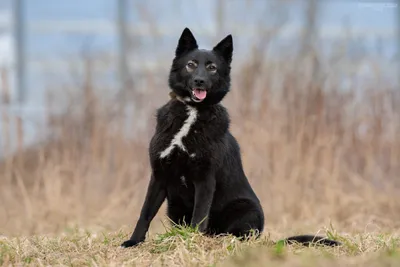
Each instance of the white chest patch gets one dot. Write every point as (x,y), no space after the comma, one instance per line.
(177,140)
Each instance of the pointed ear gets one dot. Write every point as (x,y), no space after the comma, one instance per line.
(186,43)
(225,48)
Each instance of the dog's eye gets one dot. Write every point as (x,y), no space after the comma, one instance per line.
(211,67)
(191,65)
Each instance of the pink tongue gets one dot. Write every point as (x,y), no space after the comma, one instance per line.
(200,94)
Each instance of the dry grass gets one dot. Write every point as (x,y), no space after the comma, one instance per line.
(185,247)
(314,153)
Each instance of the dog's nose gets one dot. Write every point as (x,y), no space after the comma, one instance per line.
(199,82)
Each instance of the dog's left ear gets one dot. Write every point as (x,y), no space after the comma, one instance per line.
(225,48)
(186,43)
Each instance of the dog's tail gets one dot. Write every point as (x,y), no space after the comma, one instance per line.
(306,240)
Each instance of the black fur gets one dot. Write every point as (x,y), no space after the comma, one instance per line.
(214,194)
(311,239)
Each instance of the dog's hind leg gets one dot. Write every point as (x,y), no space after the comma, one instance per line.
(245,224)
(240,218)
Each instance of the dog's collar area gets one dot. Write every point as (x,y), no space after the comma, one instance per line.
(184,100)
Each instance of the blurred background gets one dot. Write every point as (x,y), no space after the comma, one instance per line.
(315,105)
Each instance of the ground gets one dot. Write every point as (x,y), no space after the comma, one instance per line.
(180,246)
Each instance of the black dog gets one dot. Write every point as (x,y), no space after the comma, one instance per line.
(195,160)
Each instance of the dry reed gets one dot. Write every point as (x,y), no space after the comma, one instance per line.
(314,153)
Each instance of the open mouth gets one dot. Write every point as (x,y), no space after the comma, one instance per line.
(198,94)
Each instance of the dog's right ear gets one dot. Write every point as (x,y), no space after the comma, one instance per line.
(186,43)
(225,48)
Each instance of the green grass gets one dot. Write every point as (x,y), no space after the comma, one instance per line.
(185,246)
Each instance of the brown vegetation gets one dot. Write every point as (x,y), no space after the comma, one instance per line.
(314,153)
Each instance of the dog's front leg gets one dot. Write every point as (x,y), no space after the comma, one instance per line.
(155,196)
(204,192)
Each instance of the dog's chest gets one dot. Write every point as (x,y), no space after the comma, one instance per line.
(180,135)
(187,140)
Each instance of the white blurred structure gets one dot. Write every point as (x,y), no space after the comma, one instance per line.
(7,53)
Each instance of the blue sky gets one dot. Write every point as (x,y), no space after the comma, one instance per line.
(362,13)
(368,16)
(198,14)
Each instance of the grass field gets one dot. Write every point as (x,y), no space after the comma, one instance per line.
(185,247)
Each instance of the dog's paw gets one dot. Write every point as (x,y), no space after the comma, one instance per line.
(130,243)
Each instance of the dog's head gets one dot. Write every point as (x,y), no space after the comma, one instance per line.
(201,77)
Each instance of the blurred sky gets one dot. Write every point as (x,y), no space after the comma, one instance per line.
(364,16)
(373,16)
(379,15)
